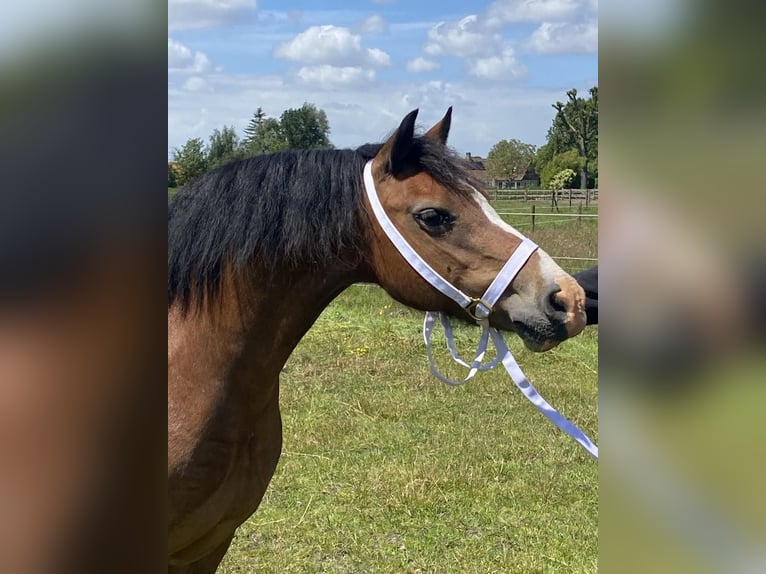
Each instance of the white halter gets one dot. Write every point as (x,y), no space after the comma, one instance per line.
(480,310)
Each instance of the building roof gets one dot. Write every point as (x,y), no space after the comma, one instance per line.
(527,173)
(477,164)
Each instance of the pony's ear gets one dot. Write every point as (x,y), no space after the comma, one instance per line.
(393,155)
(440,130)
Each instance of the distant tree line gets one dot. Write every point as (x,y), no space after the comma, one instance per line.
(572,144)
(297,128)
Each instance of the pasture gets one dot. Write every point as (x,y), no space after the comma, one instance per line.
(386,470)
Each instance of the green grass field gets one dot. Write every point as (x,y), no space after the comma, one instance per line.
(387,470)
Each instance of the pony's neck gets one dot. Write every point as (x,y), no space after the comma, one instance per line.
(257,324)
(277,320)
(228,359)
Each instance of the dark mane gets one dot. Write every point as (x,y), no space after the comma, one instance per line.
(280,211)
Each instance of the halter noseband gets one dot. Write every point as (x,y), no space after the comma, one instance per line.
(479,309)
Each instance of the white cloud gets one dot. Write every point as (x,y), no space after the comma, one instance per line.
(467,37)
(195,14)
(378,57)
(182,60)
(502,67)
(328,77)
(478,38)
(331,45)
(375,24)
(484,112)
(430,97)
(421,65)
(196,84)
(503,11)
(563,38)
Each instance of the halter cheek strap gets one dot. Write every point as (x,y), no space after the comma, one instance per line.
(416,261)
(480,309)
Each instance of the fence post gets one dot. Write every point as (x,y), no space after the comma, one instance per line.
(587,196)
(533,217)
(570,197)
(525,195)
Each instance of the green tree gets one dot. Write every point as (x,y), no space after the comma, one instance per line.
(223,147)
(558,182)
(305,127)
(508,157)
(576,126)
(559,162)
(253,126)
(563,179)
(172,175)
(267,138)
(544,155)
(191,160)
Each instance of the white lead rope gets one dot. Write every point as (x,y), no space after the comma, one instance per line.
(505,356)
(444,319)
(480,310)
(529,391)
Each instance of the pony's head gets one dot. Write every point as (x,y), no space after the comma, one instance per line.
(430,196)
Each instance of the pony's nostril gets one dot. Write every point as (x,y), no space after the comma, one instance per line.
(554,303)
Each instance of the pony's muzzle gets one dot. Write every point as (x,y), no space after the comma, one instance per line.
(564,305)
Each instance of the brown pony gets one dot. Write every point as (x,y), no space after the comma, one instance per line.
(258,248)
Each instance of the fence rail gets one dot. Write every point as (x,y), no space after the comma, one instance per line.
(572,264)
(527,213)
(570,195)
(533,215)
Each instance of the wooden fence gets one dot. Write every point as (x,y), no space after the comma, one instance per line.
(534,215)
(581,196)
(543,217)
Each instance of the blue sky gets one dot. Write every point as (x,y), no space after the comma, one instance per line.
(500,63)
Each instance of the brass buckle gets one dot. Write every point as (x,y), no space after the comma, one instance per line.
(478,309)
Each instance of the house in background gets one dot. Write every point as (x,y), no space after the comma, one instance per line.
(523,178)
(478,169)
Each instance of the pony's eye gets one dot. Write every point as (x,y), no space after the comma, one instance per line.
(434,221)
